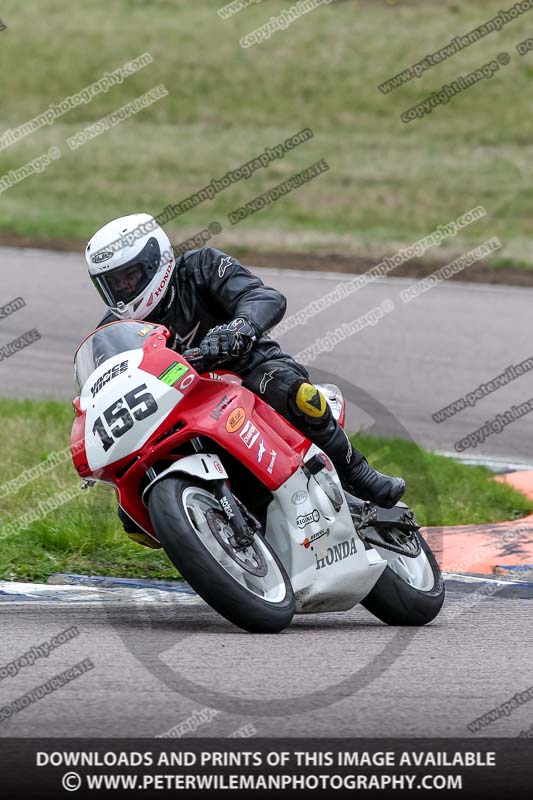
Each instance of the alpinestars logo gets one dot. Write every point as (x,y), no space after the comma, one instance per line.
(187,339)
(265,380)
(337,553)
(349,451)
(225,262)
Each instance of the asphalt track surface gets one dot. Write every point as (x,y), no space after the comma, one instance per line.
(418,358)
(156,663)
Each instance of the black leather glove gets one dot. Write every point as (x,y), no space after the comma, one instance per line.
(228,342)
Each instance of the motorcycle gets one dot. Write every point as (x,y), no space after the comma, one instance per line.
(249,511)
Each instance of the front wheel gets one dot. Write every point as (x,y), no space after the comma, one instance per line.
(410,591)
(249,587)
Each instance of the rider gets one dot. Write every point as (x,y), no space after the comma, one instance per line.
(208,300)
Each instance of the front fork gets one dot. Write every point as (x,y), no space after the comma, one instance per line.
(243,529)
(243,532)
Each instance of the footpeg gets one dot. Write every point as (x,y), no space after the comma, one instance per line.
(393,529)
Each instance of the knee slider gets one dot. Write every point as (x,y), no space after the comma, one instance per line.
(310,401)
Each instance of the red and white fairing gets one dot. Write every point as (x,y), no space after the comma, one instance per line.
(132,415)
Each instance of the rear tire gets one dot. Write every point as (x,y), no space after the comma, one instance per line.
(189,543)
(396,602)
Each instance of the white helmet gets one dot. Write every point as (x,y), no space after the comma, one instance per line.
(131,263)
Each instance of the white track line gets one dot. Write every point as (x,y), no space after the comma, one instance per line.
(59,594)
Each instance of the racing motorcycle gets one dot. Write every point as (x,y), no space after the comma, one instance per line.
(251,513)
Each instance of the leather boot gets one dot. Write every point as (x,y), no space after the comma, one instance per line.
(363,481)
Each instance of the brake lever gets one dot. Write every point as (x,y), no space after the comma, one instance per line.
(195,358)
(193,354)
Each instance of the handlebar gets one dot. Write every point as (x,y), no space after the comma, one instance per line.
(200,362)
(193,354)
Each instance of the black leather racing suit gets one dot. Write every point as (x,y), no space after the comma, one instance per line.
(210,288)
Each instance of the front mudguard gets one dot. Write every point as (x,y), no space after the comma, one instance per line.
(200,465)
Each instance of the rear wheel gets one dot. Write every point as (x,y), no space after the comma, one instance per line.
(249,587)
(410,591)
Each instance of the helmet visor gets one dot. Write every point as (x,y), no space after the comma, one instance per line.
(126,283)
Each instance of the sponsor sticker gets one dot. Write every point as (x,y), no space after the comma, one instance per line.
(299,497)
(235,420)
(104,379)
(262,449)
(166,276)
(308,541)
(103,255)
(173,373)
(145,330)
(337,553)
(273,455)
(186,382)
(216,413)
(249,435)
(224,502)
(307,519)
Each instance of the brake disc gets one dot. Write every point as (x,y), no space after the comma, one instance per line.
(253,562)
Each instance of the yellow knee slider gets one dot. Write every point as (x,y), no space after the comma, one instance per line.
(311,401)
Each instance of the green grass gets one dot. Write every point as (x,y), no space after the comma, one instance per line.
(85,535)
(442,491)
(389,183)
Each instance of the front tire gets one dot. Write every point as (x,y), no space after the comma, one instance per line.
(408,594)
(250,589)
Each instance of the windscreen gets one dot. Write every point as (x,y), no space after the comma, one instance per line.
(106,342)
